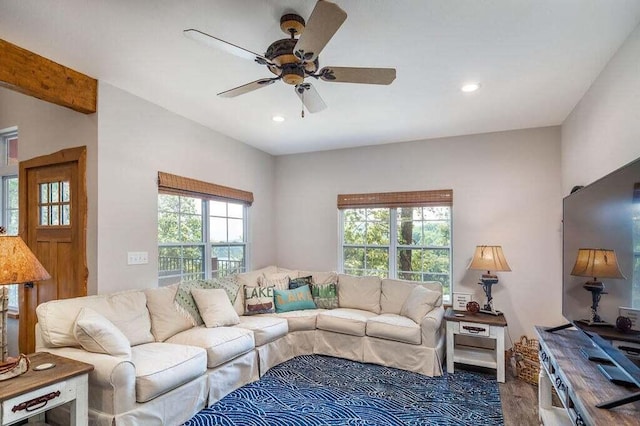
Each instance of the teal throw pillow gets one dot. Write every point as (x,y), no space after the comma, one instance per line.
(258,300)
(325,296)
(299,282)
(294,300)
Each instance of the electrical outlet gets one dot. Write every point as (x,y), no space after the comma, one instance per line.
(137,258)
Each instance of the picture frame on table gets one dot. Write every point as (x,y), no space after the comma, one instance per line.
(460,301)
(633,315)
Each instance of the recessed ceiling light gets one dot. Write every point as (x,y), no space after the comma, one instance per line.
(278,118)
(470,87)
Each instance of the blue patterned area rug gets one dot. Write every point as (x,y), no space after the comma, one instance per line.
(320,390)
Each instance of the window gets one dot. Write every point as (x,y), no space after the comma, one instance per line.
(201,229)
(9,193)
(54,203)
(398,235)
(10,204)
(9,142)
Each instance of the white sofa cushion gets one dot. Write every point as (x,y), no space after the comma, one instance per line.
(126,310)
(300,320)
(250,278)
(396,292)
(215,307)
(161,367)
(421,301)
(345,321)
(166,321)
(393,295)
(278,280)
(97,334)
(394,327)
(221,343)
(359,292)
(265,328)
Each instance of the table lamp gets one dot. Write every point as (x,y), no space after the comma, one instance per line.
(18,265)
(596,263)
(489,258)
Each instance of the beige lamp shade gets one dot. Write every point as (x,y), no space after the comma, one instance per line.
(18,264)
(489,258)
(597,263)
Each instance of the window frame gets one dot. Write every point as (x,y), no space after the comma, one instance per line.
(394,247)
(206,242)
(5,136)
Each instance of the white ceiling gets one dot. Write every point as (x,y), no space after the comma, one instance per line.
(534,58)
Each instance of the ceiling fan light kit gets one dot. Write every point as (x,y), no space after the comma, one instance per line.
(292,59)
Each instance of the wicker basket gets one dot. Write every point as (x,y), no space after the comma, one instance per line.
(526,359)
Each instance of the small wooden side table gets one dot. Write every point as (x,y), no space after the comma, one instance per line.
(475,325)
(35,392)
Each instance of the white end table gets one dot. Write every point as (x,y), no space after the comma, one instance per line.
(475,326)
(33,393)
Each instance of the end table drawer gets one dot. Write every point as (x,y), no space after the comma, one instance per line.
(34,402)
(474,329)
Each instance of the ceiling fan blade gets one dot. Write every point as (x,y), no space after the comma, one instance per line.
(358,75)
(246,88)
(223,45)
(323,23)
(310,97)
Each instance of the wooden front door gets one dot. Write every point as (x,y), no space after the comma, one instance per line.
(53,211)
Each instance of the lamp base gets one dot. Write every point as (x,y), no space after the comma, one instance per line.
(595,323)
(491,312)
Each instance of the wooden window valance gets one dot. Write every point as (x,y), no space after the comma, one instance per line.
(442,197)
(178,185)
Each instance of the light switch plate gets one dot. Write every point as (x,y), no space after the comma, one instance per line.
(137,258)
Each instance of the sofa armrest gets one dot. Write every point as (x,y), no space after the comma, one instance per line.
(112,383)
(431,327)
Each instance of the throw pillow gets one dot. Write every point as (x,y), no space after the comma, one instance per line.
(325,296)
(97,334)
(420,302)
(293,300)
(166,320)
(278,280)
(215,307)
(185,303)
(258,300)
(299,282)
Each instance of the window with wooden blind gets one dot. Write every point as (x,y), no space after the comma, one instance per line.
(405,235)
(202,229)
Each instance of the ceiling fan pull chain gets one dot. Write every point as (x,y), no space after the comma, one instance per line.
(302,102)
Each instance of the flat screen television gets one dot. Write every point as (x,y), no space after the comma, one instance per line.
(604,215)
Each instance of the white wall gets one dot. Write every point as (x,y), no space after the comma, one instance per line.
(136,140)
(506,190)
(44,128)
(602,133)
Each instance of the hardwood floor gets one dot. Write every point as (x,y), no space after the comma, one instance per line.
(519,402)
(519,398)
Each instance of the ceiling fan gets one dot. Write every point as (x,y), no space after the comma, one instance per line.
(294,59)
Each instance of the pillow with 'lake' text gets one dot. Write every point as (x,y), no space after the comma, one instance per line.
(294,300)
(258,300)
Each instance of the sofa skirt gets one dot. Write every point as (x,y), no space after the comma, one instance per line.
(339,345)
(417,358)
(293,344)
(191,397)
(232,375)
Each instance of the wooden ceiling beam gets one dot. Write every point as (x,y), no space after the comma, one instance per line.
(34,75)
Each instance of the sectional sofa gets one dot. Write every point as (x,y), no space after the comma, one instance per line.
(153,366)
